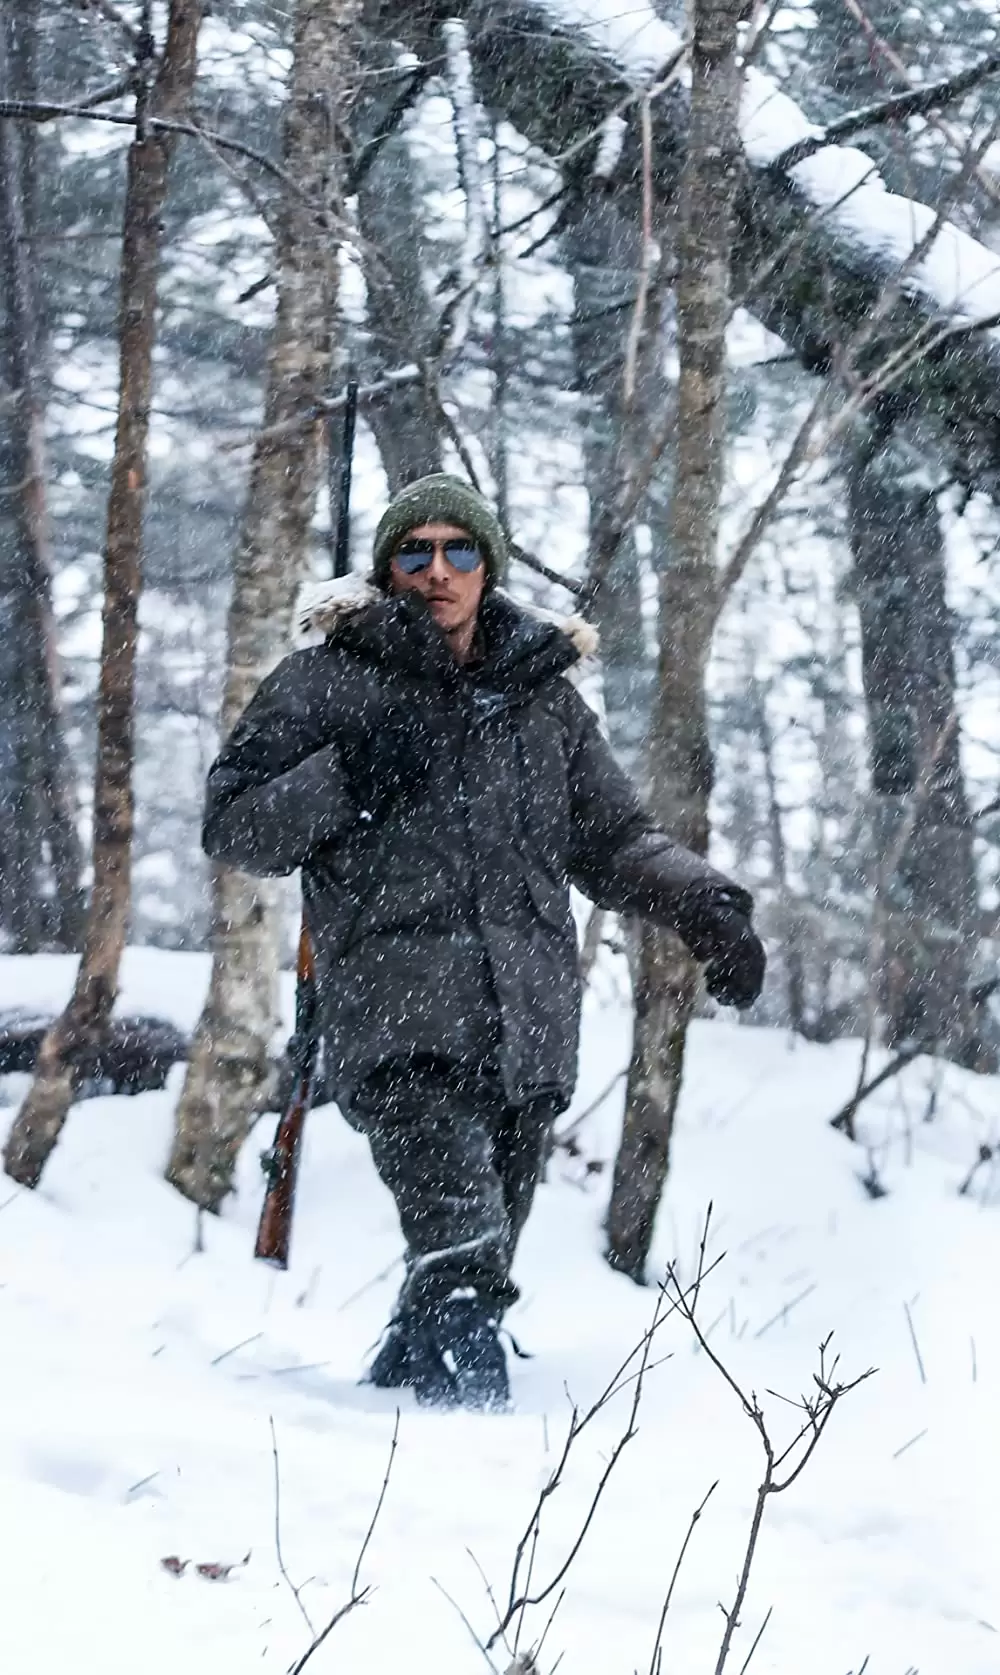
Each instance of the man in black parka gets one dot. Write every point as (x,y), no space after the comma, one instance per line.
(441,784)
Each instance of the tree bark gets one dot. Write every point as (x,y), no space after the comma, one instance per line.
(83,1026)
(603,248)
(680,760)
(39,839)
(399,313)
(930,905)
(229,1071)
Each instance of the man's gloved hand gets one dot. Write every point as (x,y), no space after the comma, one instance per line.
(734,976)
(389,760)
(716,927)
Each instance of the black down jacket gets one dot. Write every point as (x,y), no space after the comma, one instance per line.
(439,814)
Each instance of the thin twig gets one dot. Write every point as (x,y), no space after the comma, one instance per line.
(906,1445)
(376,1279)
(378,1506)
(759,31)
(785,1310)
(358,1596)
(218,1359)
(520,1597)
(30,110)
(654,1662)
(564,1134)
(844,1119)
(277,1529)
(916,1346)
(759,1637)
(461,1614)
(881,48)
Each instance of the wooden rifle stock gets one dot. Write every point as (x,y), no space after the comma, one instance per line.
(274,1230)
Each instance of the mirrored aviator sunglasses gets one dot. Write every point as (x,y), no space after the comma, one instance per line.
(414,556)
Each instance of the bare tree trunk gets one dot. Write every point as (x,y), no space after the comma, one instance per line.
(83,1025)
(229,1070)
(680,762)
(399,313)
(908,666)
(603,249)
(38,832)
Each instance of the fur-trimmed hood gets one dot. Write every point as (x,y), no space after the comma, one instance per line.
(323,606)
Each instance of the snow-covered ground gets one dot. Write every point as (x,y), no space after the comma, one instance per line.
(139,1377)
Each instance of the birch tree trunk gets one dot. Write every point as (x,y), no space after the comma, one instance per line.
(83,1025)
(39,840)
(680,762)
(229,1071)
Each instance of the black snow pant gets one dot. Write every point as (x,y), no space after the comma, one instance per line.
(462,1165)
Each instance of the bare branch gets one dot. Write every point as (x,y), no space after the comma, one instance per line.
(757,1640)
(881,48)
(520,1597)
(807,447)
(818,1409)
(461,1614)
(112,90)
(389,124)
(358,1595)
(919,101)
(761,22)
(844,1118)
(378,1506)
(277,1530)
(654,1662)
(31,110)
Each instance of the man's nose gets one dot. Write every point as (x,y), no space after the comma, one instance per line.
(438,567)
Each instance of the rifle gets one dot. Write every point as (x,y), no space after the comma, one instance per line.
(281,1163)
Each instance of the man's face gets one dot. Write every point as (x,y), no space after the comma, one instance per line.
(453,596)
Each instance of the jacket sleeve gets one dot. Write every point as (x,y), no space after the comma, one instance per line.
(278,788)
(622,860)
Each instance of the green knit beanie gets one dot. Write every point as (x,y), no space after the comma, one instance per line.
(440,498)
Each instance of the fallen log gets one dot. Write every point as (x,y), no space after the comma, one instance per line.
(137,1057)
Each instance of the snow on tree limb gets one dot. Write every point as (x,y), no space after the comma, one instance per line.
(958,275)
(815,243)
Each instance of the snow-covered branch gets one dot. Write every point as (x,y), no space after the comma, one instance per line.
(558,68)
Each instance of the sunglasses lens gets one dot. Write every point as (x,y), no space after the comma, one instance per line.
(414,556)
(463,556)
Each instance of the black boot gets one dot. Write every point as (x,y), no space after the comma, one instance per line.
(467,1346)
(408,1359)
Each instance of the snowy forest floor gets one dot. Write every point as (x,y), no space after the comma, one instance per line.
(139,1376)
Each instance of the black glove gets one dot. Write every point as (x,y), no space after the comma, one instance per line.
(734,976)
(389,760)
(716,926)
